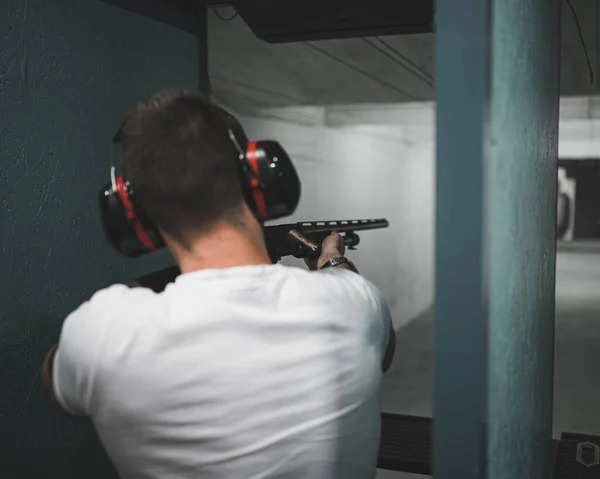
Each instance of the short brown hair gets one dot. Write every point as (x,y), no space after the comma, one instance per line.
(181,163)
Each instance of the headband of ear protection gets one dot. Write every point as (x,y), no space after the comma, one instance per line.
(269,183)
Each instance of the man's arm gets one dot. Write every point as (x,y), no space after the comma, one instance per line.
(47,380)
(334,247)
(68,369)
(68,385)
(390,349)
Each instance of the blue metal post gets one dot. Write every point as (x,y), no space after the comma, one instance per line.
(497,141)
(522,210)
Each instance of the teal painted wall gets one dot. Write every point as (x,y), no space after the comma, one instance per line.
(521,185)
(69,69)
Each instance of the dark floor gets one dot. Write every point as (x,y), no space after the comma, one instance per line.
(408,386)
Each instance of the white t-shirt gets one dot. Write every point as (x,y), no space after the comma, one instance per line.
(240,373)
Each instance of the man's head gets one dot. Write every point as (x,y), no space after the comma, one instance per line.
(182,164)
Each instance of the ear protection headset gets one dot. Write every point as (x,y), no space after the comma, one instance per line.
(269,183)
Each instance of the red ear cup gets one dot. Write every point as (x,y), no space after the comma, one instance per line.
(138,228)
(128,229)
(274,182)
(255,183)
(269,182)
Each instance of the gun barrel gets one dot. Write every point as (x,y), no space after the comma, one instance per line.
(309,227)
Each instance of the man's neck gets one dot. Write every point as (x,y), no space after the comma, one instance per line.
(225,246)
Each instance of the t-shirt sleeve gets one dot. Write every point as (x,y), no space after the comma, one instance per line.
(381,311)
(81,339)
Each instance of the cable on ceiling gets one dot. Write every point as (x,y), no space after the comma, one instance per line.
(587,57)
(401,60)
(361,71)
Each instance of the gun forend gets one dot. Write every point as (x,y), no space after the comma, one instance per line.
(351,240)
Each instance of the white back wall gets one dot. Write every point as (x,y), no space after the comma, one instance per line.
(373,161)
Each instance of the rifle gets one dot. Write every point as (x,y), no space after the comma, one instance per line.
(292,239)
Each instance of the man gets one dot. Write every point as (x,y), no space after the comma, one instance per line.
(240,368)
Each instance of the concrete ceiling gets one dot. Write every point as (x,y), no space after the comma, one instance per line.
(248,74)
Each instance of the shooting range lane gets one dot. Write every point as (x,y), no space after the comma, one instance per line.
(69,70)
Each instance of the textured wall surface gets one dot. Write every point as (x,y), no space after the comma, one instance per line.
(366,171)
(522,223)
(69,69)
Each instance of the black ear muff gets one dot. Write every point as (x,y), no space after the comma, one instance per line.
(269,182)
(274,182)
(128,229)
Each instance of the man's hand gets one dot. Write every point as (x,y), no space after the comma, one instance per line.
(332,247)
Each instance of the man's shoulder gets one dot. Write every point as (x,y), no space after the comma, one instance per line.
(336,281)
(104,305)
(113,296)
